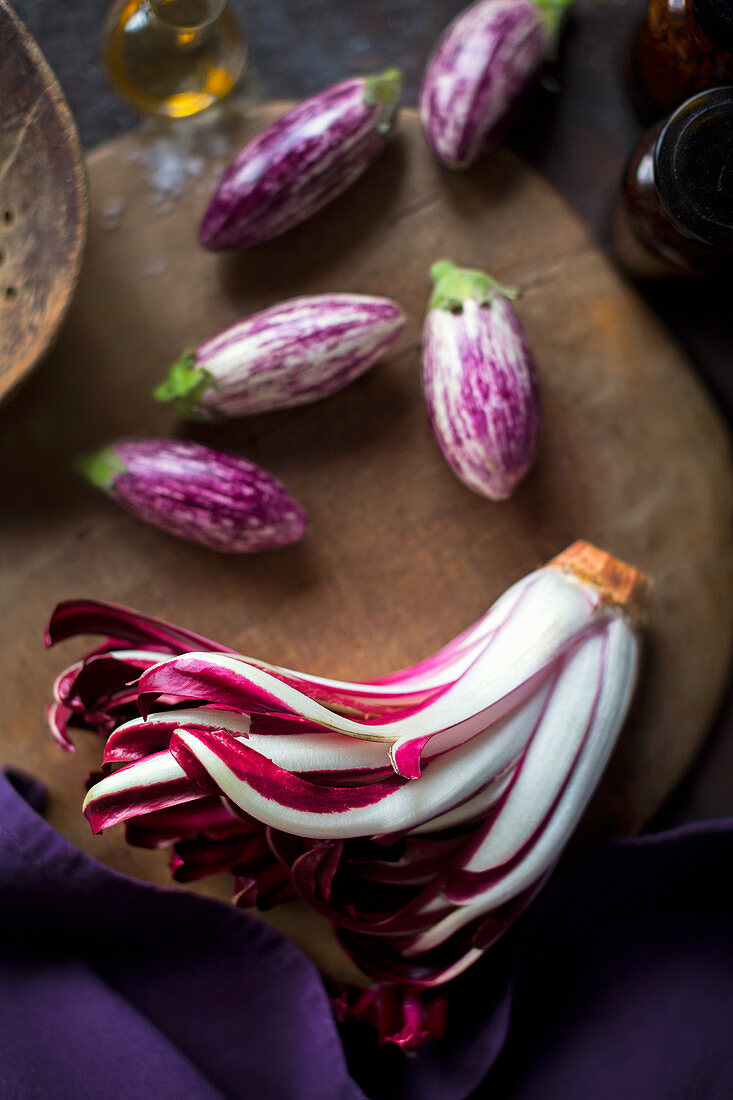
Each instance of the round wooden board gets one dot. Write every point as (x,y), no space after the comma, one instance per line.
(400,556)
(43,202)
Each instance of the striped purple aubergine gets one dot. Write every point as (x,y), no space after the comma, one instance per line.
(479,381)
(294,353)
(213,498)
(302,161)
(480,67)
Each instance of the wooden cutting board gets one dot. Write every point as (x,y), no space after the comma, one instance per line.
(400,556)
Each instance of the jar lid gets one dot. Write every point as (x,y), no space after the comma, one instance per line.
(716,19)
(693,166)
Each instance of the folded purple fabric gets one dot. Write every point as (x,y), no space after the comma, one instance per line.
(623,976)
(113,988)
(621,979)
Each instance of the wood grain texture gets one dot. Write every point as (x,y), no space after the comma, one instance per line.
(43,202)
(400,556)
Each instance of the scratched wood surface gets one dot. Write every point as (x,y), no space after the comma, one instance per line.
(43,202)
(400,556)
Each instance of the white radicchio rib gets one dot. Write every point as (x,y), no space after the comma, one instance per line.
(419,812)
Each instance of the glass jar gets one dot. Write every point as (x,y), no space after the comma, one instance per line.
(676,213)
(173,57)
(681,48)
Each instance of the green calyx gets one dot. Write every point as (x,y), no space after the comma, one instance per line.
(184,386)
(100,468)
(455,285)
(384,89)
(553,12)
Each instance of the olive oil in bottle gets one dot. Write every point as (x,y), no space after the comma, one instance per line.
(173,57)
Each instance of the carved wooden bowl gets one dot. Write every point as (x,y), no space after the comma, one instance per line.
(43,202)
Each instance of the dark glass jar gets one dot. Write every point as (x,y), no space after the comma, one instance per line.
(682,47)
(676,213)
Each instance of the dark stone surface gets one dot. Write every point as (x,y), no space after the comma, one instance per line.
(577,129)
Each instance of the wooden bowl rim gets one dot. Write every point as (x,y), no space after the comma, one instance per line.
(30,358)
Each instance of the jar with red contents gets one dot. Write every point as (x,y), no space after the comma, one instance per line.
(682,47)
(676,212)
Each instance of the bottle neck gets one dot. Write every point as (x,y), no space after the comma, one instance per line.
(187,15)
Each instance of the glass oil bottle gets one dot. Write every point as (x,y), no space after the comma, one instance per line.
(173,58)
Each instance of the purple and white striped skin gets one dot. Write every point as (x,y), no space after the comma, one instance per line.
(302,161)
(480,67)
(479,382)
(295,784)
(216,499)
(294,353)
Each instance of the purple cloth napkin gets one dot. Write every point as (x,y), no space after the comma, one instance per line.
(621,980)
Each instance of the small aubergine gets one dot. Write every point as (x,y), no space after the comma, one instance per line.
(479,69)
(291,354)
(214,498)
(302,161)
(479,381)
